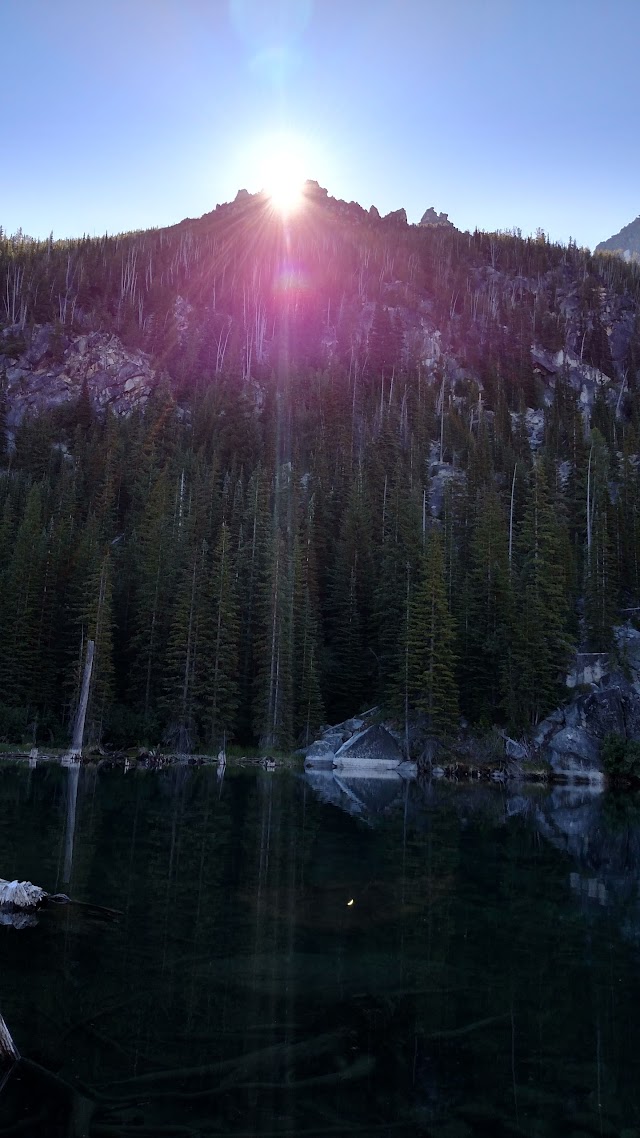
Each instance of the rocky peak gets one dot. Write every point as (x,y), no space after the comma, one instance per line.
(430,217)
(397,215)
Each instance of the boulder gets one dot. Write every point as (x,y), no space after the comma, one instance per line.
(548,727)
(322,749)
(374,744)
(603,712)
(41,342)
(574,753)
(613,709)
(352,725)
(515,751)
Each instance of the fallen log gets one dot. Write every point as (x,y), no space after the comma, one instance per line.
(21,896)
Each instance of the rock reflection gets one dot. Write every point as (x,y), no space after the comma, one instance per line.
(359,794)
(598,832)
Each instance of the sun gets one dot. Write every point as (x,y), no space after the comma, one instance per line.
(283,176)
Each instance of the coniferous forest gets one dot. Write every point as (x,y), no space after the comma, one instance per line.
(379,464)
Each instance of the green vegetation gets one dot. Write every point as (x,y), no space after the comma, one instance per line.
(318,508)
(621,757)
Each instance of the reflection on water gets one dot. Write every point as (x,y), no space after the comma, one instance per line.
(305,955)
(72,802)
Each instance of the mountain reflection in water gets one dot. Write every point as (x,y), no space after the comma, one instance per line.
(305,955)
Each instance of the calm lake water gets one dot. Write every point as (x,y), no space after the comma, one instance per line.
(303,957)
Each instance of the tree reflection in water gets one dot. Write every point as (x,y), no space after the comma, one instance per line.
(299,956)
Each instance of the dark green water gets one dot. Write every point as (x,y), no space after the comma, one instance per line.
(485,980)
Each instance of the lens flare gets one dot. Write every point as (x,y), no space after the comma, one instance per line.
(284,179)
(282,163)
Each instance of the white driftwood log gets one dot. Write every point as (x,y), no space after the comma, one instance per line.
(8,1049)
(20,895)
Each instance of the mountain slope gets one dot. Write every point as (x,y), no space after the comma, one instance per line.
(626,243)
(228,447)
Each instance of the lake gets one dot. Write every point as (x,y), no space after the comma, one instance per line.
(299,956)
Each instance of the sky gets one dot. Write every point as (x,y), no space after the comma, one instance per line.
(128,114)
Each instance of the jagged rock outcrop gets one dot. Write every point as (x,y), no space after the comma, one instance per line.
(571,737)
(430,217)
(626,243)
(396,215)
(43,368)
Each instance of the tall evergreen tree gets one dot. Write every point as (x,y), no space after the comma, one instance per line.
(273,701)
(541,640)
(308,703)
(430,670)
(484,670)
(221,644)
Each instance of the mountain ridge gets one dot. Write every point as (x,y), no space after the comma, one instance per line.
(267,465)
(626,243)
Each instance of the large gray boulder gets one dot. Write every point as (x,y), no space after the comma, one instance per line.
(373,745)
(574,753)
(614,710)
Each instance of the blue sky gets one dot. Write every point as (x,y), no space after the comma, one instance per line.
(124,114)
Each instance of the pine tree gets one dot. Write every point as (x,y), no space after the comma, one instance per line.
(351,670)
(91,604)
(627,522)
(273,701)
(20,642)
(541,645)
(154,572)
(398,552)
(430,670)
(488,643)
(182,686)
(308,704)
(221,645)
(600,587)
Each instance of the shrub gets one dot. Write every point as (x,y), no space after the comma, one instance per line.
(621,757)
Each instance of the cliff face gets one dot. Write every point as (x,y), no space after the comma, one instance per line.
(44,367)
(626,243)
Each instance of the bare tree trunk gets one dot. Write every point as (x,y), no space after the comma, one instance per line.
(589,502)
(78,730)
(513,491)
